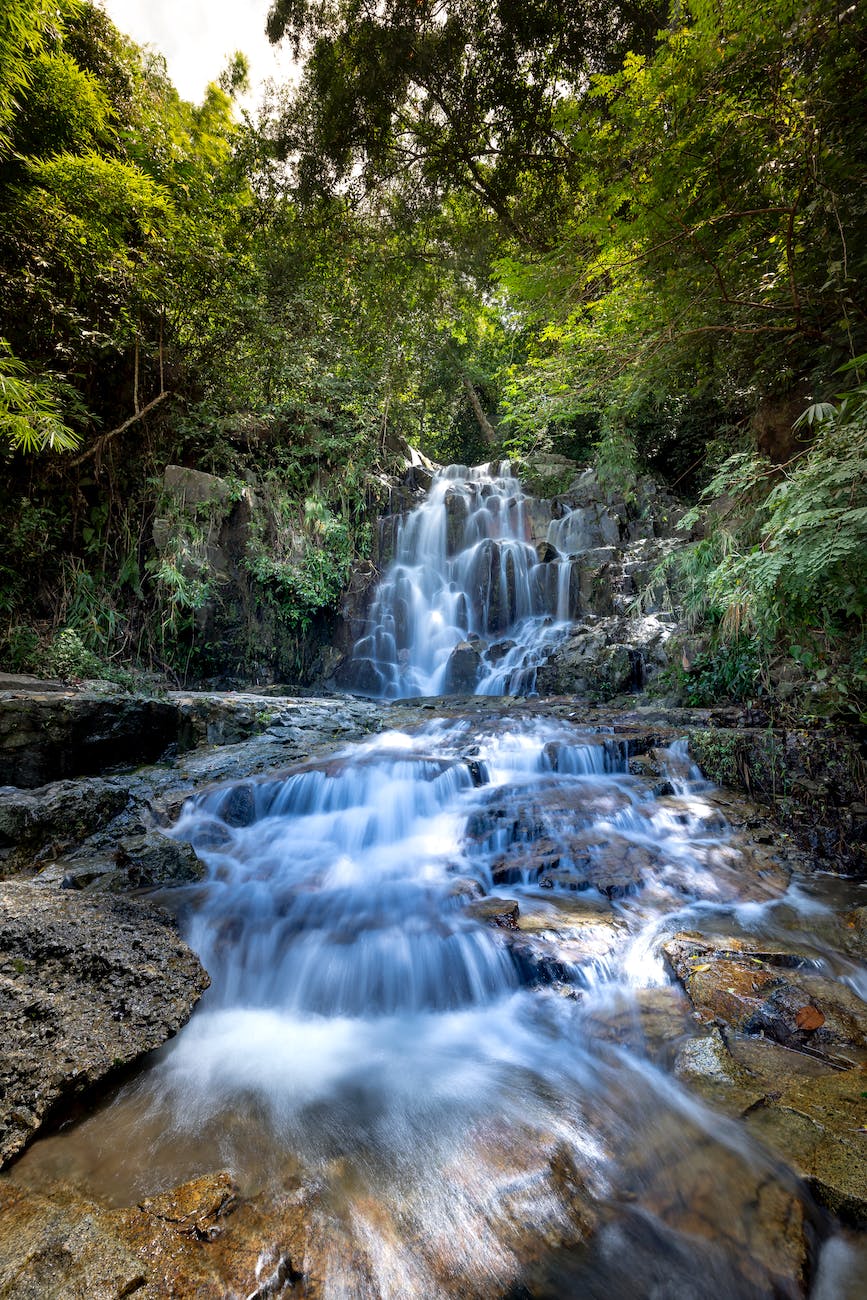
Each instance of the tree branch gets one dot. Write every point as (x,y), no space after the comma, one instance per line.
(121,428)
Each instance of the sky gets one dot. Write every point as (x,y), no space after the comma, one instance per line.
(198,37)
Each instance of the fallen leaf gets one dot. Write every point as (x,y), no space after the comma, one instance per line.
(809,1018)
(704,966)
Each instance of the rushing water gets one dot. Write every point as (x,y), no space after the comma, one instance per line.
(466,1108)
(464,570)
(483,1112)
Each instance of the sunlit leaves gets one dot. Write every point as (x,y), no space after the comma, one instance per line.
(31,408)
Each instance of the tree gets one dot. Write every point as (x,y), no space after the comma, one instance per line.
(449,94)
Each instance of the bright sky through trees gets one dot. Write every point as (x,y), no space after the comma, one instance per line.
(198,36)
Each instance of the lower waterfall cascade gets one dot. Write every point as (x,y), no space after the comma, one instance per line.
(442,999)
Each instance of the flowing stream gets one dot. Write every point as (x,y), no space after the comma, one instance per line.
(479,1109)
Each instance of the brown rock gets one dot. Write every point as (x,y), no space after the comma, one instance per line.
(499,912)
(817,1126)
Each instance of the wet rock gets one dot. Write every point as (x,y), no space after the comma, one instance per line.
(499,912)
(764,1236)
(239,806)
(707,1066)
(499,650)
(154,859)
(774,993)
(145,861)
(86,986)
(583,528)
(49,736)
(58,816)
(817,1126)
(855,936)
(652,1021)
(537,516)
(571,931)
(546,552)
(598,658)
(200,1241)
(554,811)
(463,888)
(463,669)
(457,511)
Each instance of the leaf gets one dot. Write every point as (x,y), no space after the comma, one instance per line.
(705,965)
(809,1018)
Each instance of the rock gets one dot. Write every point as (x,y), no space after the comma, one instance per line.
(649,1021)
(199,1241)
(462,670)
(569,930)
(61,814)
(817,1126)
(604,657)
(764,1235)
(239,806)
(773,992)
(583,528)
(193,486)
(537,517)
(499,650)
(463,888)
(45,737)
(707,1066)
(153,859)
(86,986)
(499,912)
(457,511)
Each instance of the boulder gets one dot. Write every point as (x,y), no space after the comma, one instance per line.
(193,486)
(583,528)
(463,669)
(202,1240)
(61,815)
(771,990)
(48,736)
(87,985)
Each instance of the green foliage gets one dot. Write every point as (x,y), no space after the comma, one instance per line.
(24,26)
(788,550)
(67,656)
(64,108)
(32,414)
(729,670)
(302,571)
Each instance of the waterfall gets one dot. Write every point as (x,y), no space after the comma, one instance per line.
(466,606)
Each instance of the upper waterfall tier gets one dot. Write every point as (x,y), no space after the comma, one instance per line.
(465,605)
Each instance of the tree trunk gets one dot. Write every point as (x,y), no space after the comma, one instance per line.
(484,423)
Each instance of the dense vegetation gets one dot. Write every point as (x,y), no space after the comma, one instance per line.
(634,232)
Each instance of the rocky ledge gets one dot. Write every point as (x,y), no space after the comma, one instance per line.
(87,986)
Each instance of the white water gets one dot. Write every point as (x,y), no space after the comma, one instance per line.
(366,1032)
(481,1112)
(464,568)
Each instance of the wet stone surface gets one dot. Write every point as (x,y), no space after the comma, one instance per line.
(500,1001)
(86,987)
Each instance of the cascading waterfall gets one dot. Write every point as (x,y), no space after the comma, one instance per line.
(437,976)
(464,571)
(466,1097)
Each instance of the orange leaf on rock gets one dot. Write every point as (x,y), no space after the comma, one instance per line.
(809,1018)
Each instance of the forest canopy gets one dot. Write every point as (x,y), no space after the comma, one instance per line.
(628,232)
